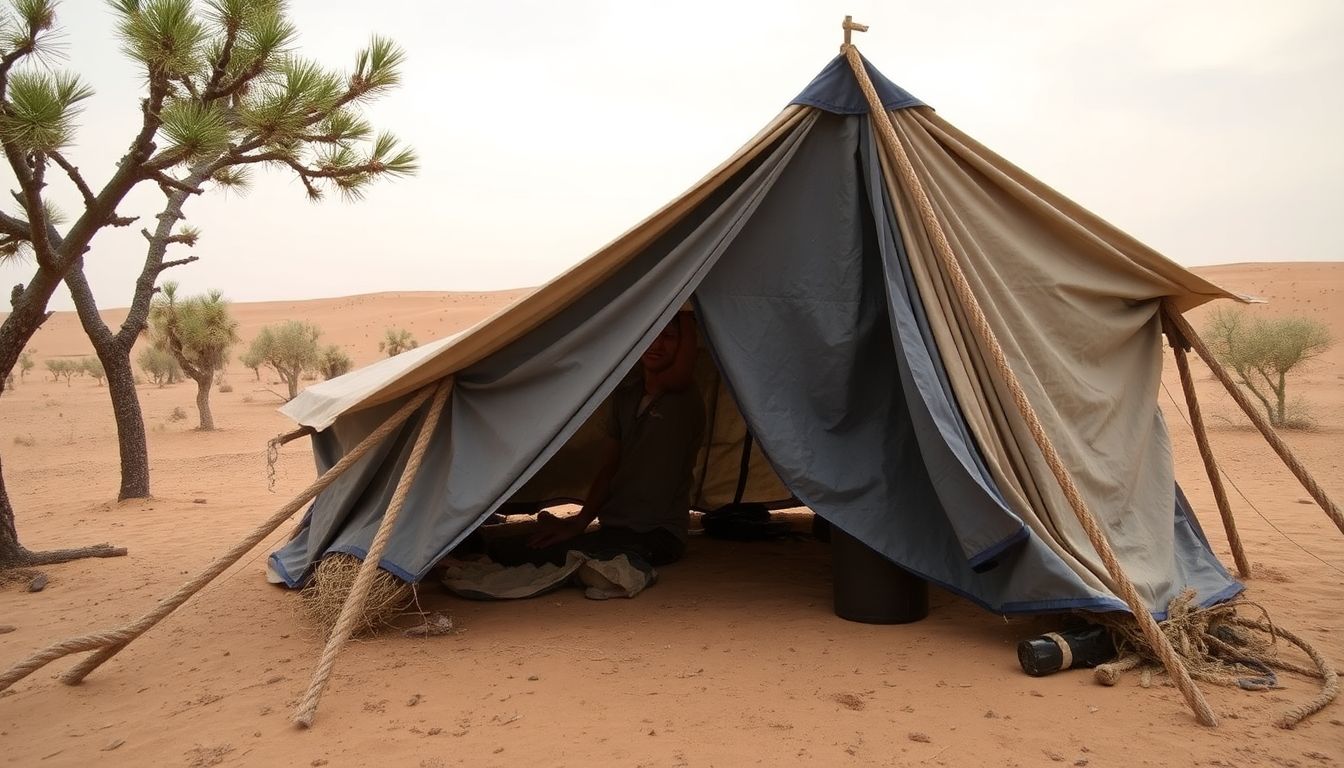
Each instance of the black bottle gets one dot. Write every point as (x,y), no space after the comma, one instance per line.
(1085,646)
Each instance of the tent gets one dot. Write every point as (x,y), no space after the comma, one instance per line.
(837,340)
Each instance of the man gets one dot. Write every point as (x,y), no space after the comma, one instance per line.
(640,496)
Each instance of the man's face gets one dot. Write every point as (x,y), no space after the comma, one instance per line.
(663,351)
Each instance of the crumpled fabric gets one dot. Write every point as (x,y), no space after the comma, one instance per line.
(601,577)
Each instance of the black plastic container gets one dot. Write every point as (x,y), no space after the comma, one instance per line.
(871,589)
(1085,646)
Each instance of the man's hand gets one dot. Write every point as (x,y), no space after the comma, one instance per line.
(553,530)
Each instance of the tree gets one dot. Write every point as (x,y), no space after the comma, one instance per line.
(56,368)
(26,362)
(251,359)
(334,362)
(94,368)
(159,365)
(397,340)
(226,94)
(289,348)
(1262,351)
(198,332)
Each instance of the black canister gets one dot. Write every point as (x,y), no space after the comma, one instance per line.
(871,589)
(1085,646)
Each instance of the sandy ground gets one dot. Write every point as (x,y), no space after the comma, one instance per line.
(734,658)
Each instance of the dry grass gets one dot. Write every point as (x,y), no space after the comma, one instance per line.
(325,595)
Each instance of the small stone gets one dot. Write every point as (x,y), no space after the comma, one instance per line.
(434,731)
(38,583)
(5,629)
(922,738)
(318,762)
(113,744)
(498,750)
(1080,762)
(1036,693)
(198,501)
(533,678)
(411,702)
(1053,755)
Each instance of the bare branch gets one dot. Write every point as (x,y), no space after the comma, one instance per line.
(15,227)
(177,263)
(36,210)
(191,89)
(75,177)
(165,180)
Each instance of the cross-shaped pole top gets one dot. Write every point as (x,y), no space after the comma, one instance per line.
(852,26)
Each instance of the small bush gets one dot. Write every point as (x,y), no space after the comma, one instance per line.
(225,388)
(1262,351)
(177,415)
(334,362)
(27,441)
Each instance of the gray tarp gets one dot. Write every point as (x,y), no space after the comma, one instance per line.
(817,322)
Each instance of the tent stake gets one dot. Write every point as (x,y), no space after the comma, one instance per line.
(112,641)
(1262,424)
(1179,674)
(1178,346)
(359,591)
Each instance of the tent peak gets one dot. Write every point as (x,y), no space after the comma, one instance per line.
(835,90)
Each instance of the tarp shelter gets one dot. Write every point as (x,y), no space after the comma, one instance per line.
(834,339)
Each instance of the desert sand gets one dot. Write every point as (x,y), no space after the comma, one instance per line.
(734,658)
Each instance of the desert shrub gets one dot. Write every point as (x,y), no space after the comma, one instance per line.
(159,365)
(226,388)
(178,414)
(60,368)
(94,368)
(26,362)
(334,362)
(289,348)
(397,340)
(1262,351)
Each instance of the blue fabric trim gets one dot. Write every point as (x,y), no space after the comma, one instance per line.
(992,552)
(285,575)
(835,90)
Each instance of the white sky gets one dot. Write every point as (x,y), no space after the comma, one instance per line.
(1209,130)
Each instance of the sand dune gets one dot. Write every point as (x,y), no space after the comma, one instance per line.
(734,658)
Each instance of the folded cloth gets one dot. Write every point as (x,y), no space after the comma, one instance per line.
(488,580)
(603,577)
(621,575)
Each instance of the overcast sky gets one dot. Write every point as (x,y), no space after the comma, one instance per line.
(1209,130)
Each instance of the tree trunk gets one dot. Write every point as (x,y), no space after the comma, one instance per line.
(203,403)
(115,353)
(13,555)
(130,423)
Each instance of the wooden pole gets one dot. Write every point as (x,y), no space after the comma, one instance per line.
(1178,345)
(1285,453)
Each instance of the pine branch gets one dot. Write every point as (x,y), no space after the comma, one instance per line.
(222,65)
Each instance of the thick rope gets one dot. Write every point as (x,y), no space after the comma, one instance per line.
(1218,649)
(1272,437)
(359,591)
(112,641)
(1324,669)
(1178,345)
(943,247)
